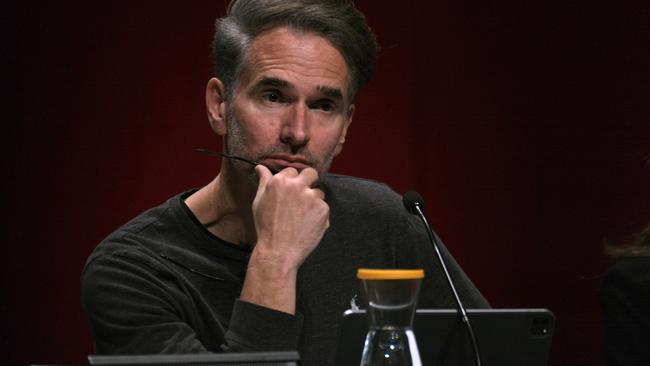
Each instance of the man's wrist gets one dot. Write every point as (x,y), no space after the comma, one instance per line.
(270,282)
(273,263)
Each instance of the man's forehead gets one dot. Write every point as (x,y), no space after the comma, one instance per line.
(281,54)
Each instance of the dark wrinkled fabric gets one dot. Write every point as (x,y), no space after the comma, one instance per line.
(163,284)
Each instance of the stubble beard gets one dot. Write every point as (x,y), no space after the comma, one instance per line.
(236,144)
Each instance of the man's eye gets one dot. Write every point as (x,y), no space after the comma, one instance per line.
(326,106)
(272,97)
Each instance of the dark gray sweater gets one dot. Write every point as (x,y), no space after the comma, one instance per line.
(163,284)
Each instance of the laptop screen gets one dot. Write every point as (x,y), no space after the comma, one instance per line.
(204,359)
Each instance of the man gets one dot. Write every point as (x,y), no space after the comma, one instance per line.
(256,261)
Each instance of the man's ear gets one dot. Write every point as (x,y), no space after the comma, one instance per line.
(348,120)
(215,103)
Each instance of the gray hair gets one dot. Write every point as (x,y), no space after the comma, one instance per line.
(338,21)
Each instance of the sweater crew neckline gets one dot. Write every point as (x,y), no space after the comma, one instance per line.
(204,238)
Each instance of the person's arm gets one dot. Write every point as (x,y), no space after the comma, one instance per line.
(131,309)
(137,305)
(290,220)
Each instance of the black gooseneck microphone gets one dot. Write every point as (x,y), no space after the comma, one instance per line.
(414,204)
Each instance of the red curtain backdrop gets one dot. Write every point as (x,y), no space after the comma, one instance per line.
(524,125)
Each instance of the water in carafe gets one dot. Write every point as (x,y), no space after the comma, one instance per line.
(391,297)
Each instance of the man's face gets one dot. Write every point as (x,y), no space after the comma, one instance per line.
(290,106)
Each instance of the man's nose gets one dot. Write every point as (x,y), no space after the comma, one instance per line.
(295,129)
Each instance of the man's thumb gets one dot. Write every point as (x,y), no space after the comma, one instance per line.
(264,174)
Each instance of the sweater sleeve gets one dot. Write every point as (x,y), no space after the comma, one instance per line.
(136,306)
(256,328)
(132,310)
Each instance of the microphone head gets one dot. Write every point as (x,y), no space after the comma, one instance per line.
(411,199)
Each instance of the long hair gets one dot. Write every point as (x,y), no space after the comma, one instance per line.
(639,246)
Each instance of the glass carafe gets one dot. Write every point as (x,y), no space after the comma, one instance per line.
(391,297)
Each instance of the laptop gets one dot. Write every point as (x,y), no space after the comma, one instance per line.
(290,358)
(505,337)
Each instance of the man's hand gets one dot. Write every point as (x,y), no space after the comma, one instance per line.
(290,220)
